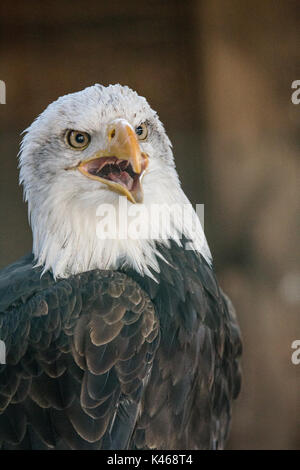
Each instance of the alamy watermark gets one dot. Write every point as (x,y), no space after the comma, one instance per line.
(2,352)
(152,221)
(2,92)
(295,98)
(295,358)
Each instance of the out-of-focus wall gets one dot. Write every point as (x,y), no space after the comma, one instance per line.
(219,74)
(249,54)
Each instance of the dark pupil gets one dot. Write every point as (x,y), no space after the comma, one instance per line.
(79,138)
(139,130)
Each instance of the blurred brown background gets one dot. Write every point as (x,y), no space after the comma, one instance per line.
(219,73)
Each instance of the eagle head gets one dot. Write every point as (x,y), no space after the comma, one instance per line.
(92,150)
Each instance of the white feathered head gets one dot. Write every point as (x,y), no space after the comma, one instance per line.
(84,152)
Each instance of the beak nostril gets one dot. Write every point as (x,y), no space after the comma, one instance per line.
(112,133)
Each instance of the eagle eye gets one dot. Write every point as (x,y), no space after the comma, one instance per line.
(141,131)
(77,139)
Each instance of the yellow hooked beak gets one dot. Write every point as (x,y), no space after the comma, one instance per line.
(121,165)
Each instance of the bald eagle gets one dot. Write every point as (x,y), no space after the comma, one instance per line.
(112,342)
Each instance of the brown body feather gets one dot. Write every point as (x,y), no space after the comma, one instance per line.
(111,360)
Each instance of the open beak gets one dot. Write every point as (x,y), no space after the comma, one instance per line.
(121,165)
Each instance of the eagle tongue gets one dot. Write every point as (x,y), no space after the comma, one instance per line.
(122,178)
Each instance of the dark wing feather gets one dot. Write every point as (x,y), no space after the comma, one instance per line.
(195,374)
(79,352)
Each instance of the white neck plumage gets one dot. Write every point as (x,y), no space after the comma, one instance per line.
(78,237)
